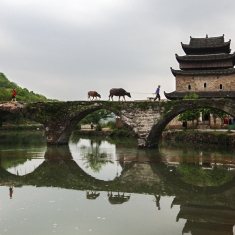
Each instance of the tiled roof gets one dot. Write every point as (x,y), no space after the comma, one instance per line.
(207,42)
(209,57)
(204,72)
(206,45)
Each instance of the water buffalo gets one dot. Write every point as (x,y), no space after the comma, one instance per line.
(117,199)
(93,94)
(92,195)
(118,92)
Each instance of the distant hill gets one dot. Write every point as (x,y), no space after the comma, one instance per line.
(23,94)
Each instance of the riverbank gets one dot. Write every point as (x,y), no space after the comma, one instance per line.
(20,127)
(92,132)
(194,136)
(105,131)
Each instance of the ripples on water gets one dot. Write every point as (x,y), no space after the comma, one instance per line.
(109,186)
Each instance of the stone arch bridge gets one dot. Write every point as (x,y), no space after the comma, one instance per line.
(146,120)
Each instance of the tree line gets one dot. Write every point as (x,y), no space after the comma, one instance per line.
(23,94)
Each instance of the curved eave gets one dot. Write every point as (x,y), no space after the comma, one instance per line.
(203,72)
(225,47)
(203,94)
(210,57)
(215,38)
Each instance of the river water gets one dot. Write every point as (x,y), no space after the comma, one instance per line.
(110,187)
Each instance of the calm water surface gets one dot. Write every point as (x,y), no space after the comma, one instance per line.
(110,187)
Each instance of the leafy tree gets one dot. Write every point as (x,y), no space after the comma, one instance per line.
(96,116)
(190,115)
(94,158)
(216,113)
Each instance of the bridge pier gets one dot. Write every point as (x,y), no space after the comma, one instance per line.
(59,134)
(141,121)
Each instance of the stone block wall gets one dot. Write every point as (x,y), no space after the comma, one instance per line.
(212,82)
(141,121)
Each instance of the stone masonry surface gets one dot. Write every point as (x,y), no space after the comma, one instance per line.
(212,83)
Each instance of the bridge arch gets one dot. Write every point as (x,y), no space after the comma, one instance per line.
(66,134)
(60,118)
(155,133)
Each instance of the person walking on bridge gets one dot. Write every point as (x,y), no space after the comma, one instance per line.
(158,93)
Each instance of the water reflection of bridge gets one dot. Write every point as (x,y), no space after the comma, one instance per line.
(207,209)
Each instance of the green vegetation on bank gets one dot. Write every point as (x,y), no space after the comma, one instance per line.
(226,138)
(194,174)
(97,116)
(23,94)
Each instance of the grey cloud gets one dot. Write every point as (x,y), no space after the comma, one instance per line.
(133,49)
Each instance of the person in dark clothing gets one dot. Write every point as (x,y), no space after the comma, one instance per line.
(158,201)
(11,192)
(158,93)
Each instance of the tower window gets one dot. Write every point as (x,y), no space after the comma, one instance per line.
(189,87)
(204,85)
(220,86)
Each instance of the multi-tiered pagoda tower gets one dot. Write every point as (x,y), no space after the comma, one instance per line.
(207,69)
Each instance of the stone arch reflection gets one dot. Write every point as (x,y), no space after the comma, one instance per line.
(22,151)
(27,167)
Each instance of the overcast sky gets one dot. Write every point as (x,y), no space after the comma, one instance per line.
(64,48)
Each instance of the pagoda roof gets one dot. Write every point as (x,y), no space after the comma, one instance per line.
(208,57)
(207,41)
(197,45)
(202,94)
(203,72)
(212,214)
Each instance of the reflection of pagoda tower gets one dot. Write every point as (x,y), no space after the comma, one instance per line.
(207,69)
(206,220)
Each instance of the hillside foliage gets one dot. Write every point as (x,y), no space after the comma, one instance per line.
(23,94)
